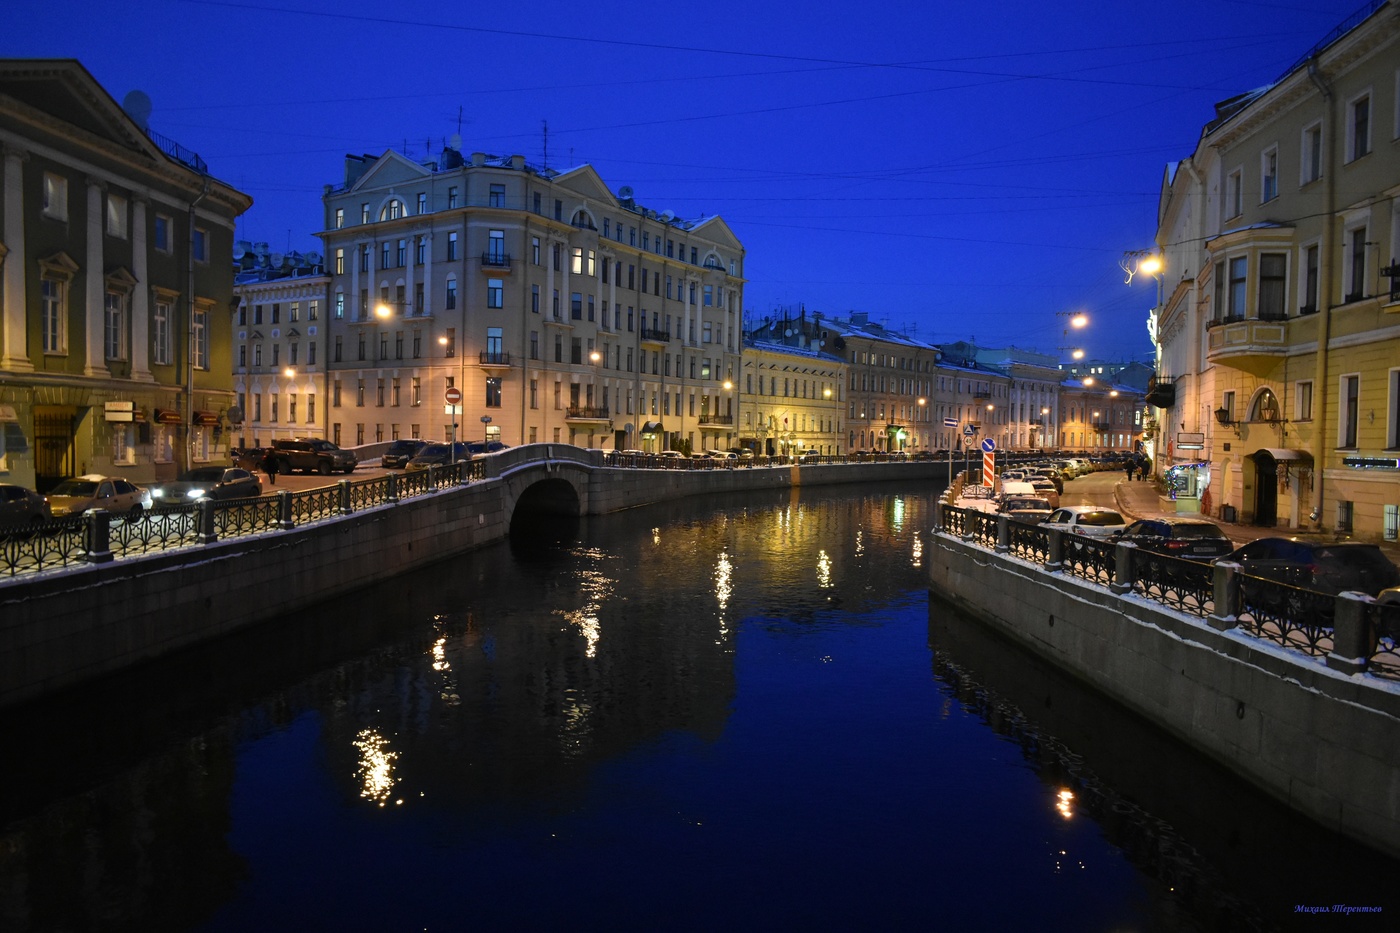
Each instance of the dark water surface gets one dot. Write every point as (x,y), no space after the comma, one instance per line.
(735,714)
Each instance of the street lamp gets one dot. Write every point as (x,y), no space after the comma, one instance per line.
(455,411)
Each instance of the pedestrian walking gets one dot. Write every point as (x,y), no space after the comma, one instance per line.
(269,465)
(1131,466)
(1142,471)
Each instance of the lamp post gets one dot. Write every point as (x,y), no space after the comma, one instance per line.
(1044,416)
(485,431)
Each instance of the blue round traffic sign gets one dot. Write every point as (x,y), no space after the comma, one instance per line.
(989,445)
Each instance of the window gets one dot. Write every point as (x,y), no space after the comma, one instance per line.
(452,246)
(1349,398)
(116,215)
(535,299)
(55,196)
(422,202)
(415,394)
(420,250)
(1356,264)
(160,333)
(535,250)
(385,249)
(1311,156)
(201,245)
(495,345)
(311,353)
(451,299)
(54,313)
(493,392)
(495,293)
(401,253)
(1273,274)
(364,213)
(339,217)
(311,408)
(114,326)
(451,197)
(576,306)
(294,312)
(164,233)
(257,354)
(496,247)
(1359,127)
(497,196)
(1310,280)
(364,257)
(339,306)
(313,309)
(1268,174)
(200,353)
(576,260)
(1234,194)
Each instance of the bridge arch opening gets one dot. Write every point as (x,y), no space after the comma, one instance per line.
(546,511)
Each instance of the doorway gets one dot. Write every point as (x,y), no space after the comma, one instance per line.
(55,427)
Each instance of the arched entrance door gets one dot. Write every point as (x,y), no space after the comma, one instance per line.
(1265,489)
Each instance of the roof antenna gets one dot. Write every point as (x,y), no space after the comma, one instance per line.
(545,125)
(459,119)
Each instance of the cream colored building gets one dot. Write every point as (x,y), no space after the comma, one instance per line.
(792,393)
(279,365)
(1278,330)
(563,311)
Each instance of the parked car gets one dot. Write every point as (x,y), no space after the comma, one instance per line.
(1086,521)
(94,491)
(21,506)
(1032,509)
(1045,489)
(439,455)
(400,452)
(214,482)
(313,454)
(1193,538)
(1325,566)
(479,449)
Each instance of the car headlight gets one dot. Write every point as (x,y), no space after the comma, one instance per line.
(196,493)
(157,492)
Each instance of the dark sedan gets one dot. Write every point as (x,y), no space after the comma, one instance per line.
(1192,538)
(440,455)
(21,506)
(214,482)
(1324,566)
(400,452)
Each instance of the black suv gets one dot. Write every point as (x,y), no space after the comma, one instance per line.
(400,452)
(312,454)
(1192,538)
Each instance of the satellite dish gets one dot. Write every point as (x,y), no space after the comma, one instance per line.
(234,415)
(788,332)
(625,192)
(137,105)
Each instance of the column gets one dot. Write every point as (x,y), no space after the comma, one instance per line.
(94,363)
(15,356)
(140,296)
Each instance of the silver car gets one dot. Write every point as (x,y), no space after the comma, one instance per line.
(21,506)
(94,491)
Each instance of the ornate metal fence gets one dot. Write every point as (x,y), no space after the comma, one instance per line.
(1289,615)
(1186,585)
(1088,558)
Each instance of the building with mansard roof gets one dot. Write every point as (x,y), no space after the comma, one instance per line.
(279,366)
(563,311)
(792,390)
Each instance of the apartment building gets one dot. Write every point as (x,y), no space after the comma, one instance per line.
(889,381)
(115,249)
(792,391)
(561,310)
(1276,330)
(279,367)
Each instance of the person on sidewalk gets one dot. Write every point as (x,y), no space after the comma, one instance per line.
(1129,468)
(269,465)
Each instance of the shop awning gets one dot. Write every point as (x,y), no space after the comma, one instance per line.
(167,416)
(653,427)
(205,417)
(1283,453)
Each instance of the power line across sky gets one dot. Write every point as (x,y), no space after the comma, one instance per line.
(962,168)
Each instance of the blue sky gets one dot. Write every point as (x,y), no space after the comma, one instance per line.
(962,170)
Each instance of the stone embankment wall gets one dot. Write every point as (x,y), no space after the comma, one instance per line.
(60,628)
(1325,743)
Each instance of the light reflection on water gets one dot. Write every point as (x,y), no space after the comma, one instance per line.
(712,714)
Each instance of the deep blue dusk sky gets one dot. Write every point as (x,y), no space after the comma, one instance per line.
(964,170)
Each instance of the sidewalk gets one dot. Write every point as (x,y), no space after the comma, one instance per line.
(1139,499)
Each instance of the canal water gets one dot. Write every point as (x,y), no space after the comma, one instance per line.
(723,714)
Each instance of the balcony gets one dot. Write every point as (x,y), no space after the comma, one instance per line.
(1250,345)
(496,262)
(1102,426)
(1161,391)
(587,413)
(494,359)
(725,420)
(982,394)
(654,335)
